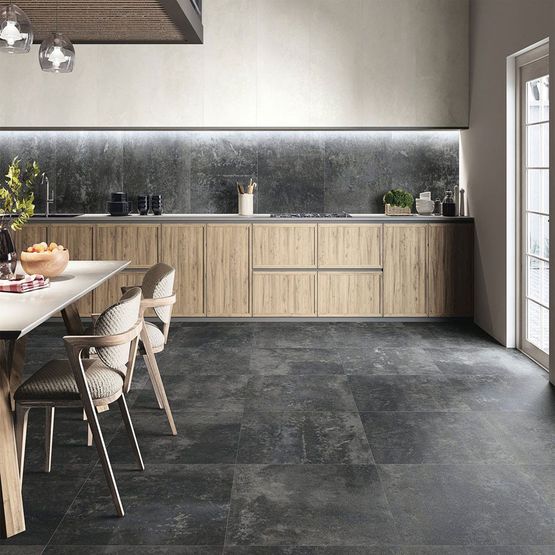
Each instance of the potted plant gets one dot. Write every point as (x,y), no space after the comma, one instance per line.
(398,202)
(16,207)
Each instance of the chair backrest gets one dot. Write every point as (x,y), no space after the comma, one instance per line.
(157,283)
(117,319)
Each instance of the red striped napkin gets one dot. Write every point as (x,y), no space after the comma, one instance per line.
(28,283)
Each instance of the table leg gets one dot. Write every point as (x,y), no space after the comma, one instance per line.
(16,366)
(12,518)
(72,320)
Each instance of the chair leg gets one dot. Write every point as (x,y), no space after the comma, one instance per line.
(48,438)
(130,430)
(92,419)
(21,418)
(156,379)
(153,381)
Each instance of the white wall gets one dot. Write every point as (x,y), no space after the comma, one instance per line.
(551,190)
(265,63)
(498,29)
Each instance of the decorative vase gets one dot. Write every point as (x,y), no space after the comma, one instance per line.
(246,204)
(8,255)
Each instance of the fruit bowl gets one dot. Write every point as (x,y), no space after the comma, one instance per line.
(49,263)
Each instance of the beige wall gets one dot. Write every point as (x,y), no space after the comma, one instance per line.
(498,29)
(551,189)
(265,63)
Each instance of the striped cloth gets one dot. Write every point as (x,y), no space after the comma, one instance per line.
(28,283)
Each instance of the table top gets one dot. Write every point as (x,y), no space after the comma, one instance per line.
(21,313)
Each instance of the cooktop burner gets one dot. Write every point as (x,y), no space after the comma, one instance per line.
(312,215)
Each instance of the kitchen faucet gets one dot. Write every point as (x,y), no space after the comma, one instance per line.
(49,199)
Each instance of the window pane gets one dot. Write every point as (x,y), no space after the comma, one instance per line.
(533,323)
(538,190)
(545,330)
(537,99)
(538,280)
(538,146)
(538,235)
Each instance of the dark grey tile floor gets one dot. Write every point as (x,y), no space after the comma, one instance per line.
(309,438)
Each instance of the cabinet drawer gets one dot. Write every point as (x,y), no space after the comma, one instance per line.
(284,293)
(349,293)
(349,245)
(137,243)
(284,246)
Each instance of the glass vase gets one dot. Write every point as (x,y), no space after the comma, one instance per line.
(8,255)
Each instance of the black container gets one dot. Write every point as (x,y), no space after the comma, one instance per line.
(448,206)
(121,208)
(156,204)
(8,254)
(143,204)
(118,197)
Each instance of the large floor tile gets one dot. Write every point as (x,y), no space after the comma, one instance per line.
(308,393)
(133,550)
(404,393)
(457,334)
(200,393)
(202,438)
(473,504)
(388,360)
(303,438)
(214,334)
(311,550)
(435,437)
(368,335)
(165,505)
(294,335)
(308,505)
(295,361)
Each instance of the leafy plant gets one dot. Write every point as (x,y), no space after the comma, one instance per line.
(398,197)
(16,195)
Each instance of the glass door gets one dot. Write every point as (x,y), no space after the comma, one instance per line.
(534,210)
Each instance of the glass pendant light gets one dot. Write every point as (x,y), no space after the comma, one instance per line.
(16,32)
(57,54)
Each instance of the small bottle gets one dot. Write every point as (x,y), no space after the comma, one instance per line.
(437,207)
(448,206)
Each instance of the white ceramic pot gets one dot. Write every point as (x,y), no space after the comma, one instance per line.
(246,204)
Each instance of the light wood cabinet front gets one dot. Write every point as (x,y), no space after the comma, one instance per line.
(29,235)
(110,291)
(284,246)
(349,245)
(404,270)
(78,240)
(183,248)
(284,294)
(228,270)
(349,294)
(137,243)
(450,270)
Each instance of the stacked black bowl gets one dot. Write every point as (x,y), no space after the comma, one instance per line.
(118,205)
(156,204)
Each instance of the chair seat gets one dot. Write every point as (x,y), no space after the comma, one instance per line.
(55,382)
(155,335)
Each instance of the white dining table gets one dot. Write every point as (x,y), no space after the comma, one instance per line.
(20,314)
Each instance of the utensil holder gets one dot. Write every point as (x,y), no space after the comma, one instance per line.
(246,204)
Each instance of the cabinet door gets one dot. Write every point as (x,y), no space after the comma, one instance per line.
(29,235)
(284,246)
(227,270)
(183,248)
(349,294)
(78,240)
(110,291)
(450,269)
(137,243)
(284,293)
(404,269)
(349,246)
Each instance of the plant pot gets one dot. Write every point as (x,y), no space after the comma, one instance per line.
(246,204)
(391,210)
(8,255)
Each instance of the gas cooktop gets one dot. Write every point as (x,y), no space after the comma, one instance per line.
(312,215)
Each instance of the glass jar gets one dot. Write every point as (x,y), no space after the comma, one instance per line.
(448,207)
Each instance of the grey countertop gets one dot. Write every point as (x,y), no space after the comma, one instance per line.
(256,218)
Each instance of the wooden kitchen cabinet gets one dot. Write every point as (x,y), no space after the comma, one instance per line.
(405,270)
(450,269)
(78,239)
(349,246)
(228,269)
(284,294)
(344,294)
(284,246)
(29,235)
(110,291)
(137,243)
(183,248)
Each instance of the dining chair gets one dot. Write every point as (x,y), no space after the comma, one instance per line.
(88,382)
(158,295)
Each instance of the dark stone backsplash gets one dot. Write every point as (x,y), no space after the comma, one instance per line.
(196,171)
